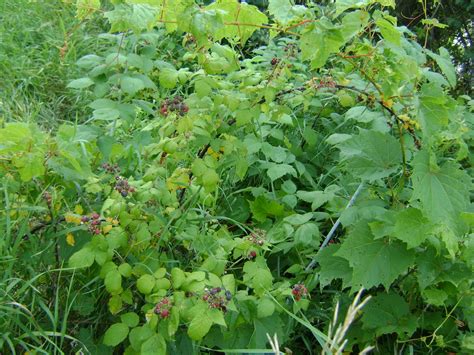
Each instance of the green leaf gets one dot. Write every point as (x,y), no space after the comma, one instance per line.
(333,267)
(434,296)
(277,171)
(281,10)
(317,45)
(139,335)
(389,313)
(115,334)
(444,62)
(85,8)
(155,345)
(200,326)
(434,109)
(412,227)
(82,258)
(125,269)
(388,31)
(371,155)
(168,77)
(113,282)
(137,17)
(374,261)
(235,12)
(131,85)
(145,284)
(177,277)
(307,234)
(265,308)
(442,190)
(131,319)
(81,83)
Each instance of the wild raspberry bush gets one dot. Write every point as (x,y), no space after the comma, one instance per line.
(237,190)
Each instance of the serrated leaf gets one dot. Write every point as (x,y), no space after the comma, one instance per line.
(333,267)
(235,13)
(281,10)
(131,85)
(200,326)
(412,227)
(155,345)
(374,261)
(277,171)
(389,313)
(444,62)
(442,190)
(82,258)
(307,234)
(115,334)
(168,77)
(371,155)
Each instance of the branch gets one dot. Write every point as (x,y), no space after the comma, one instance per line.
(334,227)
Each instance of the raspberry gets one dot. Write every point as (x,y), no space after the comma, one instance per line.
(95,216)
(274,61)
(252,254)
(165,313)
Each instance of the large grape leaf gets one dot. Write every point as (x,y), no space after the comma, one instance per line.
(442,190)
(333,267)
(434,108)
(320,42)
(371,155)
(412,227)
(389,313)
(374,261)
(241,20)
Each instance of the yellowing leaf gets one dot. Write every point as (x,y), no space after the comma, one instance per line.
(106,229)
(78,209)
(72,218)
(70,239)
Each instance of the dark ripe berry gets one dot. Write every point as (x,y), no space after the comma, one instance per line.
(124,193)
(84,219)
(185,109)
(164,111)
(213,291)
(95,222)
(274,61)
(252,254)
(223,308)
(157,309)
(205,297)
(228,295)
(132,189)
(165,301)
(95,216)
(165,313)
(295,292)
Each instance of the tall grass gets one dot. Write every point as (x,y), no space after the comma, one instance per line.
(34,65)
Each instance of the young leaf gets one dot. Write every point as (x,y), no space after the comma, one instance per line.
(115,334)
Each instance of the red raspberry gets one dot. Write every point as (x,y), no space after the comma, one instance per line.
(165,313)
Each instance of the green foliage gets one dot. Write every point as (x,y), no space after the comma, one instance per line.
(209,170)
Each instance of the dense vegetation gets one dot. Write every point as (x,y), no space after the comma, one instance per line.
(180,177)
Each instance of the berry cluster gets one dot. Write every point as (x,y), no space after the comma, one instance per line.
(93,222)
(111,169)
(174,105)
(123,187)
(163,307)
(274,61)
(217,297)
(257,237)
(298,291)
(326,83)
